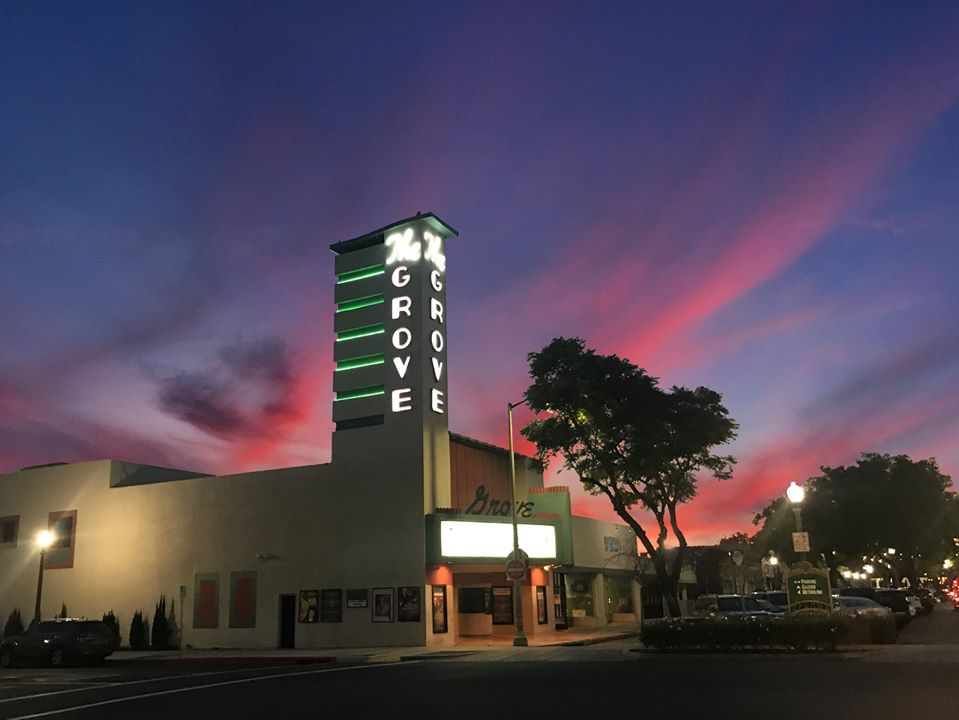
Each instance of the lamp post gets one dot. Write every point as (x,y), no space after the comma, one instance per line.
(519,638)
(44,540)
(796,494)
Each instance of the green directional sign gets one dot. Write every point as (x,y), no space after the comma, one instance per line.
(807,588)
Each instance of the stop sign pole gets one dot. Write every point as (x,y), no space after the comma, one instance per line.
(519,638)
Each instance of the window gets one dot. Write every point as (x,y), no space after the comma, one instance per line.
(63,525)
(9,529)
(242,599)
(206,600)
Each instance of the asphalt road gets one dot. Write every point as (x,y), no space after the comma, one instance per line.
(895,682)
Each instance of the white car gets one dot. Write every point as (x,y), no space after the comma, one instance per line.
(915,605)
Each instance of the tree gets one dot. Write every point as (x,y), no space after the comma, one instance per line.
(160,635)
(881,502)
(14,624)
(627,439)
(63,611)
(138,631)
(110,620)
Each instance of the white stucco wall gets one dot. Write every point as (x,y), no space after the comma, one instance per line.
(351,528)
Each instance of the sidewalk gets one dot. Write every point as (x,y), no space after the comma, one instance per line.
(259,656)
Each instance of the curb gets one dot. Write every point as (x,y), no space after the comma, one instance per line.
(231,661)
(597,640)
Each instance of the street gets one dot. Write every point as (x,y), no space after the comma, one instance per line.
(891,681)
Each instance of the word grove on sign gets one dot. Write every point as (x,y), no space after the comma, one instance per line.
(403,248)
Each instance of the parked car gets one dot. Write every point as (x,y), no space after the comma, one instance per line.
(853,606)
(777,598)
(893,599)
(58,642)
(769,607)
(926,598)
(730,606)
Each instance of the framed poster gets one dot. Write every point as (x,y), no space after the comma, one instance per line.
(309,606)
(357,598)
(331,605)
(502,606)
(439,609)
(408,604)
(541,614)
(382,604)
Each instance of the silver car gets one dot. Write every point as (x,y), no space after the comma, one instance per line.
(853,606)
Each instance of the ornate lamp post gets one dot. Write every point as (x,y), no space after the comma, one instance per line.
(44,540)
(796,495)
(519,638)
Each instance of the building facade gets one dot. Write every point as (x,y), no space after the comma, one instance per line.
(400,540)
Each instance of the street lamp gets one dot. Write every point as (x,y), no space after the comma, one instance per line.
(519,639)
(44,540)
(796,494)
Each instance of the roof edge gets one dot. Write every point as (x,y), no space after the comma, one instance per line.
(376,236)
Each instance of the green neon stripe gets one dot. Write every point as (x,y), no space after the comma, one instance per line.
(361,361)
(362,392)
(357,303)
(359,274)
(374,329)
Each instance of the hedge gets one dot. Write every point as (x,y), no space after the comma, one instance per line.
(764,633)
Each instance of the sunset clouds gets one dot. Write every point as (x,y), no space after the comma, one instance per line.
(759,200)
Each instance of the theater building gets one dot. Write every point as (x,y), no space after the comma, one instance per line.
(401,539)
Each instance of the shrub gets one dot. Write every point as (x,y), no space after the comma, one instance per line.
(795,633)
(160,636)
(138,632)
(110,620)
(14,625)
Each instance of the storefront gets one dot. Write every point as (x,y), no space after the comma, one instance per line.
(401,539)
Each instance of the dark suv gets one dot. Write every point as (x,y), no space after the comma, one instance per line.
(57,642)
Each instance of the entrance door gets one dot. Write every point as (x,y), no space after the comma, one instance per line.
(287,621)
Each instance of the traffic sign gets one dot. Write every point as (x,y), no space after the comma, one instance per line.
(515,570)
(518,553)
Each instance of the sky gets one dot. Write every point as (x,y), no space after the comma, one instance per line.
(758,197)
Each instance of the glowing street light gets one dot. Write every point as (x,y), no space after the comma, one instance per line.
(796,495)
(44,540)
(869,569)
(890,551)
(947,563)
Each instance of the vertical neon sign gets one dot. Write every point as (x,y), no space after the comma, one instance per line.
(405,249)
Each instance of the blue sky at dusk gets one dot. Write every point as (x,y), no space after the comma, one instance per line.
(758,197)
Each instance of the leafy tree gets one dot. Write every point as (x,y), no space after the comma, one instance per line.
(160,635)
(14,624)
(881,502)
(627,439)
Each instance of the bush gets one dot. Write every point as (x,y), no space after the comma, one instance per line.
(14,625)
(793,633)
(138,632)
(160,636)
(872,630)
(110,620)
